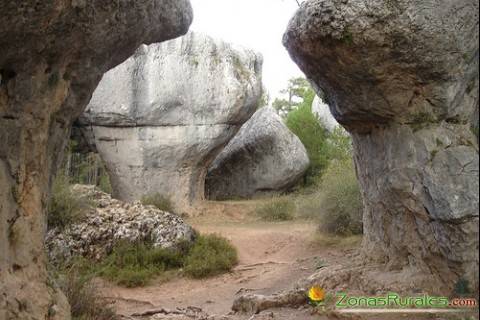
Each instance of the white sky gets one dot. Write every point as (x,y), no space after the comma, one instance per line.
(256,24)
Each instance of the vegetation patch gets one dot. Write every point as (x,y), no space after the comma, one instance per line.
(65,207)
(341,201)
(136,264)
(337,203)
(210,255)
(160,201)
(277,209)
(82,296)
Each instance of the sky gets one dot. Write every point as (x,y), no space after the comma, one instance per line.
(255,24)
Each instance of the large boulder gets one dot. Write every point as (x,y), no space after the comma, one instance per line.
(264,157)
(402,78)
(52,56)
(322,111)
(109,221)
(159,119)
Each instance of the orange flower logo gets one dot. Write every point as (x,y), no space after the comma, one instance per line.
(316,294)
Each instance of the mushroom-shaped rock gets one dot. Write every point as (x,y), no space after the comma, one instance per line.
(52,56)
(322,111)
(159,119)
(402,78)
(263,157)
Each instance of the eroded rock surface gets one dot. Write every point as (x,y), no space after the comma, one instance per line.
(263,157)
(402,78)
(109,221)
(52,55)
(159,119)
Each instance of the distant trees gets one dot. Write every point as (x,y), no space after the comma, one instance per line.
(322,145)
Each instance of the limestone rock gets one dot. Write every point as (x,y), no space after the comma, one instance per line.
(112,220)
(52,56)
(160,118)
(402,78)
(322,111)
(263,157)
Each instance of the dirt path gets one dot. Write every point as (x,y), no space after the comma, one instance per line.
(272,257)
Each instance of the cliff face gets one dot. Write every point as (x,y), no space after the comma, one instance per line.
(159,119)
(264,157)
(52,56)
(402,78)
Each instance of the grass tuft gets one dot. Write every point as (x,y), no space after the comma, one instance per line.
(210,255)
(277,209)
(65,207)
(160,201)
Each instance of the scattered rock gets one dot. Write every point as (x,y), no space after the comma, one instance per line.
(402,78)
(254,303)
(52,56)
(112,220)
(263,157)
(159,119)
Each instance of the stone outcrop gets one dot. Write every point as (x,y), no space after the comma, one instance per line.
(159,119)
(263,157)
(109,221)
(322,111)
(402,78)
(52,55)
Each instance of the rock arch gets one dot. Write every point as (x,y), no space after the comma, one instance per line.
(402,78)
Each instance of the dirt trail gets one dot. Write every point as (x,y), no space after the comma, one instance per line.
(272,257)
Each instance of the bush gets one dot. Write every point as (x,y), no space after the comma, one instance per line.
(313,135)
(81,294)
(160,201)
(134,264)
(340,201)
(276,209)
(210,255)
(65,207)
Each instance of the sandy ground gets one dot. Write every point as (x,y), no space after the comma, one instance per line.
(272,258)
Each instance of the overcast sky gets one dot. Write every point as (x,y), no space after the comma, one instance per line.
(256,24)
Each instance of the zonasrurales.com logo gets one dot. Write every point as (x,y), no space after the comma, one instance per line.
(390,302)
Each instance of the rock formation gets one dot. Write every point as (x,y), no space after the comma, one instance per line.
(263,157)
(159,119)
(402,78)
(52,55)
(110,220)
(322,111)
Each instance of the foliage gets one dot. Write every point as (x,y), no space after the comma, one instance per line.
(305,125)
(340,204)
(210,255)
(298,92)
(134,264)
(277,209)
(82,296)
(65,207)
(160,201)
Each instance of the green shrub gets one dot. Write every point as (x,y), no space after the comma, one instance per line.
(160,201)
(81,294)
(276,209)
(210,255)
(340,204)
(65,207)
(313,135)
(134,264)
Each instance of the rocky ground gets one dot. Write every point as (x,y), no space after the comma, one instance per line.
(273,257)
